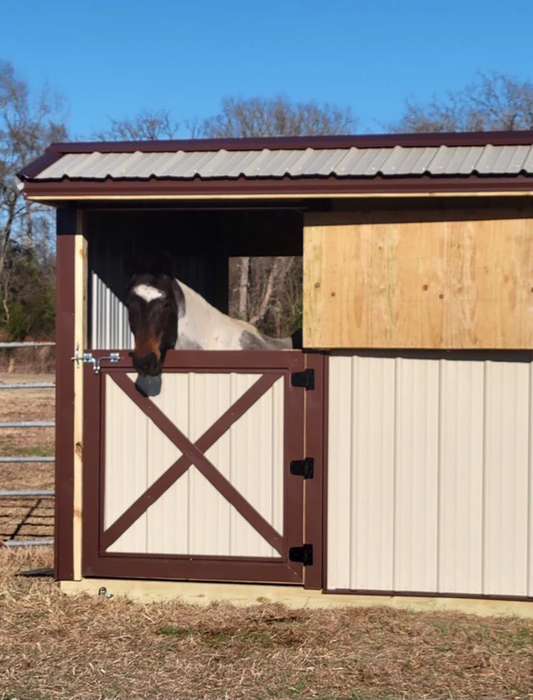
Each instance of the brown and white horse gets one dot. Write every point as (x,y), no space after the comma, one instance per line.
(166,314)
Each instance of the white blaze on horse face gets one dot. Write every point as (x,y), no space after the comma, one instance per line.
(148,293)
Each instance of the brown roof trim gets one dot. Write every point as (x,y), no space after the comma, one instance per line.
(473,138)
(281,186)
(37,166)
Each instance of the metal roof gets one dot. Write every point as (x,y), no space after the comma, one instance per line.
(354,162)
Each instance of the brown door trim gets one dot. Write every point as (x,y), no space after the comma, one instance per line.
(315,497)
(98,562)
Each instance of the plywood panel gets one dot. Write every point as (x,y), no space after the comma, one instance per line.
(80,340)
(407,280)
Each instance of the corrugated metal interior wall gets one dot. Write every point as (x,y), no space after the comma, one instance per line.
(430,473)
(108,282)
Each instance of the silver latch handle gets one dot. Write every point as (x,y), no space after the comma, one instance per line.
(96,362)
(88,358)
(77,358)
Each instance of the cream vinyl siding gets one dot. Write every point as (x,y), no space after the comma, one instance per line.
(192,517)
(430,474)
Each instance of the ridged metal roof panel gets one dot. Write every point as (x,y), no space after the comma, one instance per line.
(256,165)
(464,160)
(527,165)
(416,162)
(229,164)
(320,162)
(397,161)
(511,160)
(363,162)
(65,164)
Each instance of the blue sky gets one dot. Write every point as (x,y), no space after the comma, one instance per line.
(117,57)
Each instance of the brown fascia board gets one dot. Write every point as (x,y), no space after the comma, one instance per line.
(281,186)
(31,170)
(474,138)
(482,138)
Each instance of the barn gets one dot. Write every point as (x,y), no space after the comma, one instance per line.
(390,460)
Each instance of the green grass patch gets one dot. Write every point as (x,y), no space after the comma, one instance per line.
(176,632)
(521,638)
(253,638)
(8,448)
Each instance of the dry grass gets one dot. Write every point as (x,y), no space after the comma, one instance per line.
(31,360)
(54,646)
(28,518)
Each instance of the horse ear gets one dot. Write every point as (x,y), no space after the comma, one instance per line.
(155,264)
(140,262)
(165,264)
(131,265)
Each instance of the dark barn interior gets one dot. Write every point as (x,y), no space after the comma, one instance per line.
(193,245)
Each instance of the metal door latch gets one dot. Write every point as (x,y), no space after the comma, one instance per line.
(87,358)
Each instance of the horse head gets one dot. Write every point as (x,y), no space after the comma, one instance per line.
(153,310)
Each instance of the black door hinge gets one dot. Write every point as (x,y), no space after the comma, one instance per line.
(303,467)
(305,379)
(302,555)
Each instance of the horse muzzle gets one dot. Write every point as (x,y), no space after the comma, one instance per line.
(147,365)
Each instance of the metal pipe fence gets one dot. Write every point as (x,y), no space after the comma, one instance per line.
(29,424)
(29,385)
(18,460)
(26,493)
(28,543)
(27,345)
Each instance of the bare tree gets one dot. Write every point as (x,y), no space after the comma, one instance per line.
(148,125)
(277,116)
(492,102)
(28,123)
